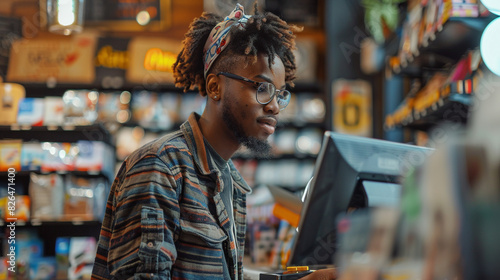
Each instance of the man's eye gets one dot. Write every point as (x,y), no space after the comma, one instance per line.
(262,88)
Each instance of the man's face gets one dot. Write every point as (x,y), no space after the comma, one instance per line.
(252,123)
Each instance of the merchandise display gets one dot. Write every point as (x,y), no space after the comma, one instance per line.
(80,107)
(31,112)
(53,111)
(10,96)
(47,196)
(10,154)
(73,258)
(114,107)
(84,198)
(443,89)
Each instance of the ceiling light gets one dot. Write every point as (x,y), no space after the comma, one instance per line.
(65,16)
(489,46)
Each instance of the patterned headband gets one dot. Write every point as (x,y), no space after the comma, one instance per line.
(219,36)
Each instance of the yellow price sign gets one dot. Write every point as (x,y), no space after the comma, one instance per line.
(352,107)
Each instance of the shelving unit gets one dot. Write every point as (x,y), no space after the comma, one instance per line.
(447,46)
(90,174)
(96,132)
(439,54)
(49,231)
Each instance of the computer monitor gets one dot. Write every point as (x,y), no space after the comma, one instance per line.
(350,171)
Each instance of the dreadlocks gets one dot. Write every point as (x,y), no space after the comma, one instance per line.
(263,33)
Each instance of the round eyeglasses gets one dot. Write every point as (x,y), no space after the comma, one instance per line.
(265,91)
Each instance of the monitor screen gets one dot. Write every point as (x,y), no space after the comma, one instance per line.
(350,172)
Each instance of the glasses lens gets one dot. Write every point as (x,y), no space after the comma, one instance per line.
(283,98)
(265,92)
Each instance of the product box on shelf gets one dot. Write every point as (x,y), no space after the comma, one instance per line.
(283,245)
(62,258)
(82,251)
(10,154)
(114,107)
(32,156)
(46,192)
(94,156)
(43,268)
(59,157)
(54,111)
(10,96)
(31,112)
(28,246)
(80,107)
(84,198)
(155,111)
(22,212)
(464,8)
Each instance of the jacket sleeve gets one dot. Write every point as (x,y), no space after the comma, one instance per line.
(140,225)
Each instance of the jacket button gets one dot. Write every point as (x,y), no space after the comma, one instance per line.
(150,244)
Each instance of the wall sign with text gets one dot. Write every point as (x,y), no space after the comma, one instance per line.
(67,60)
(111,62)
(151,61)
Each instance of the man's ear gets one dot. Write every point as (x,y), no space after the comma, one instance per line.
(213,87)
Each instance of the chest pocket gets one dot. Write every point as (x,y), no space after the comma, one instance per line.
(201,226)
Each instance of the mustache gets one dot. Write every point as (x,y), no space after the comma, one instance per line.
(267,117)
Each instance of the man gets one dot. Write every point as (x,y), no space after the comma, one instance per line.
(177,206)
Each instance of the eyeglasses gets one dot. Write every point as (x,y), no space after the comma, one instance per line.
(265,91)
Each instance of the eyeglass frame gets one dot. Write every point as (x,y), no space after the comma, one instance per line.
(257,84)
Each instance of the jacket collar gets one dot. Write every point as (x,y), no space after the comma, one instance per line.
(196,145)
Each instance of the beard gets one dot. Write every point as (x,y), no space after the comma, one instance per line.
(260,148)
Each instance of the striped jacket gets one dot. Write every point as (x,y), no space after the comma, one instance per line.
(165,218)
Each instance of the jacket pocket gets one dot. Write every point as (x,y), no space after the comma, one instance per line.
(207,229)
(152,238)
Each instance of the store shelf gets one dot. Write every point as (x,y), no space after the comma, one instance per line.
(173,127)
(447,46)
(453,108)
(26,173)
(42,90)
(49,231)
(34,223)
(96,132)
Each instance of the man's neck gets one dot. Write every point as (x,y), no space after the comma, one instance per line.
(218,136)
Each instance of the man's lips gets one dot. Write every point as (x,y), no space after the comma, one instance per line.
(269,123)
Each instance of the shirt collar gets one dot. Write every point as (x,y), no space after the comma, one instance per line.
(196,145)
